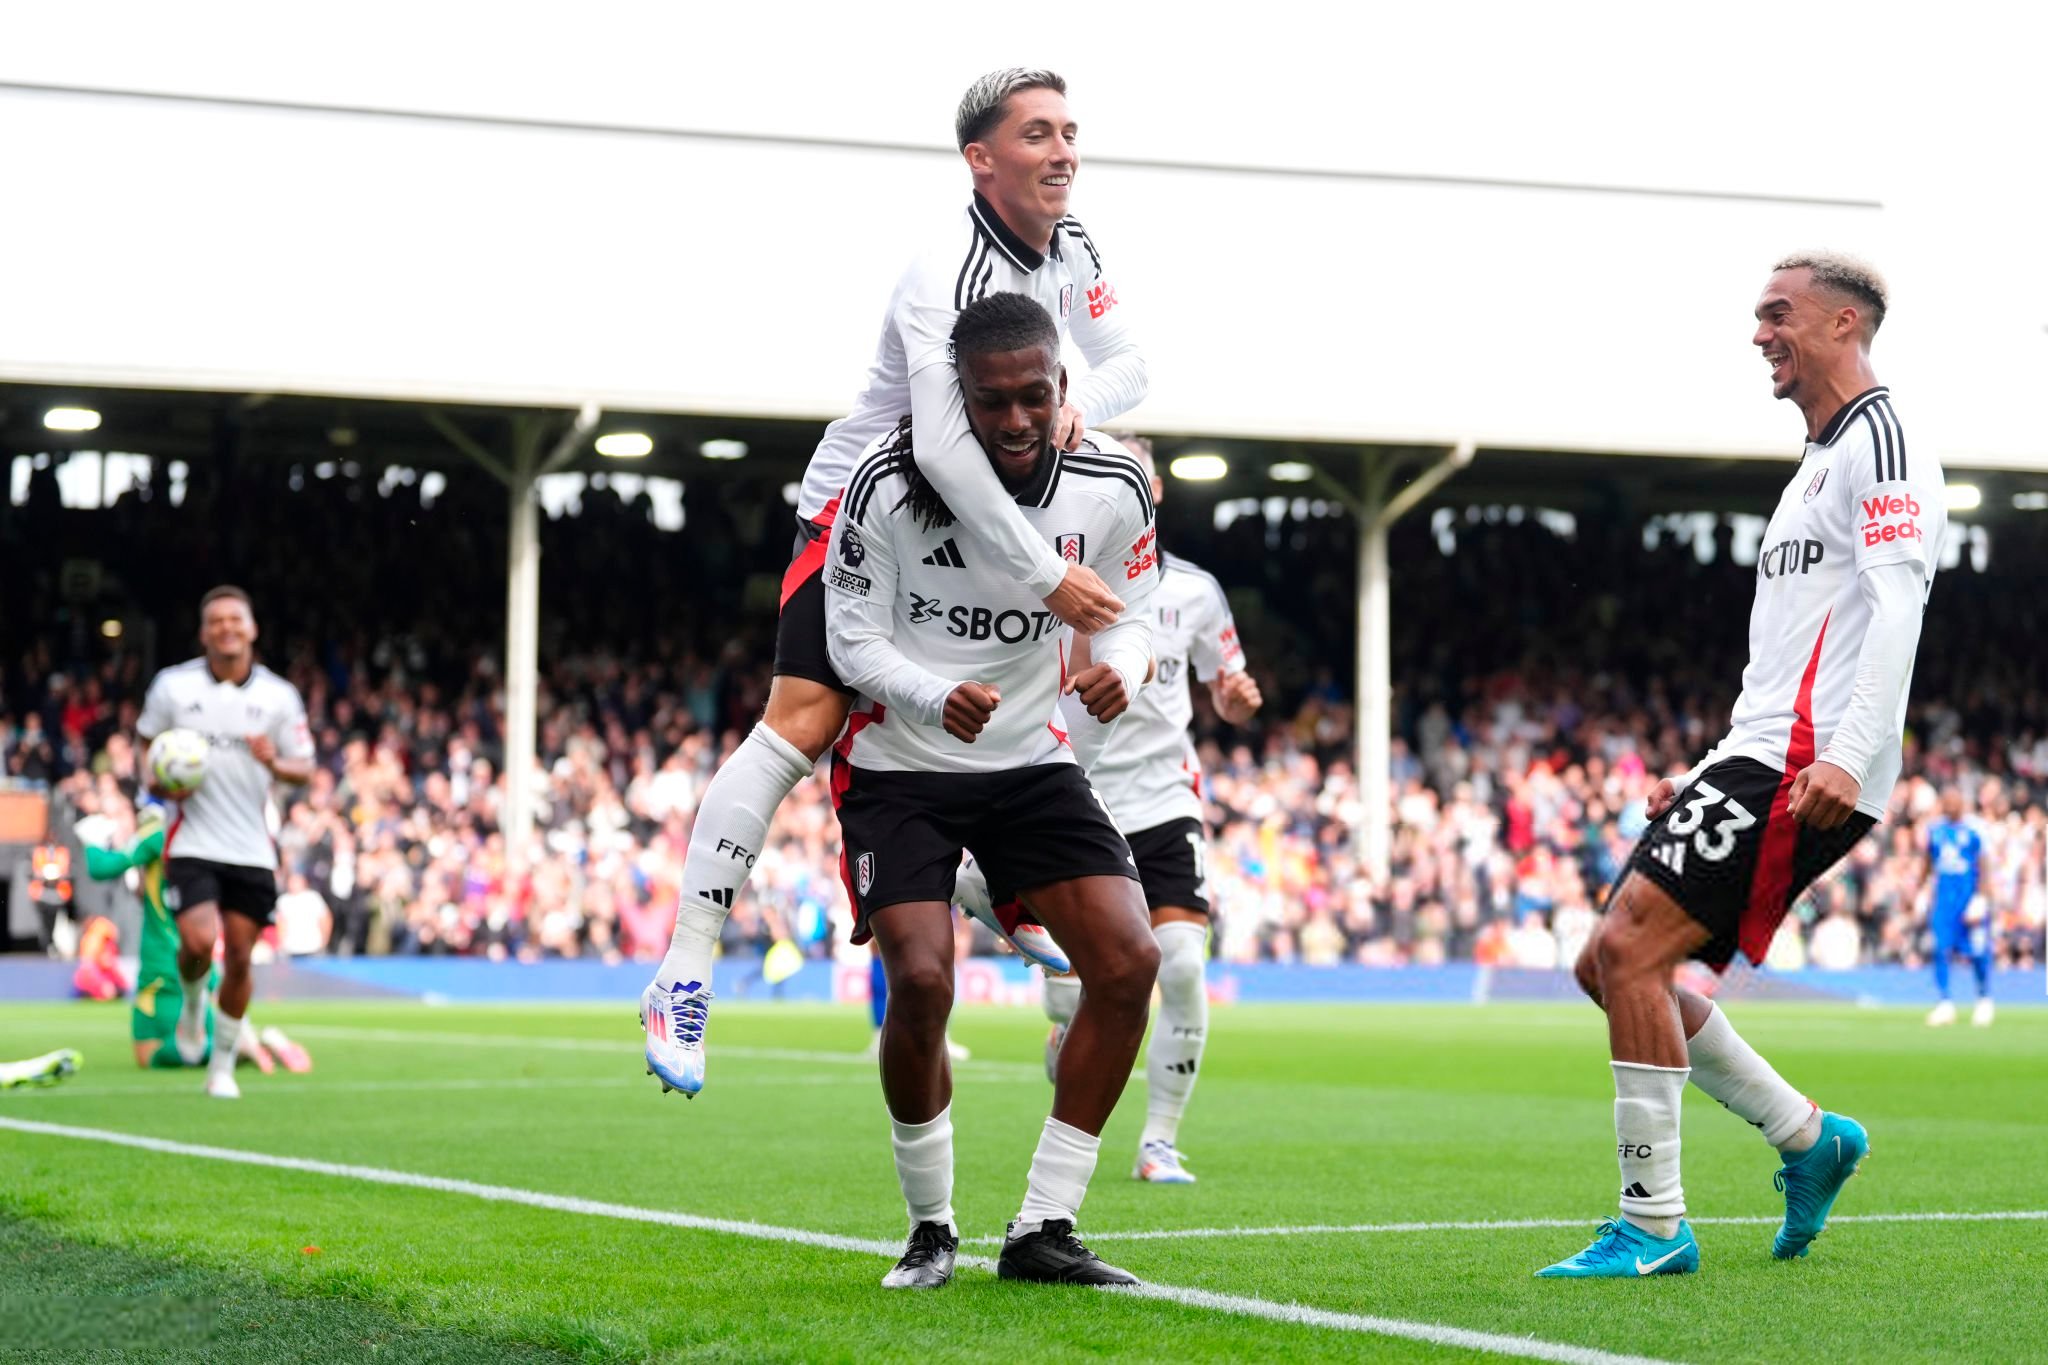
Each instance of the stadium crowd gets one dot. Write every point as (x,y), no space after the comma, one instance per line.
(1545,680)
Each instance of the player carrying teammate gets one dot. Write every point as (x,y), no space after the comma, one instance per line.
(1806,768)
(1958,913)
(959,749)
(1014,236)
(1149,776)
(219,860)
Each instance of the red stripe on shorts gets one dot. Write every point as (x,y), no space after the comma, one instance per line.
(842,778)
(811,562)
(1770,889)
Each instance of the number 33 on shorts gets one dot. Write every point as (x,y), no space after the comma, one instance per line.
(1713,831)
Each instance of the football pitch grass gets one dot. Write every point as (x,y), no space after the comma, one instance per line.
(1376,1182)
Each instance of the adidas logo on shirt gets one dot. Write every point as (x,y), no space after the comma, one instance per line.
(947,556)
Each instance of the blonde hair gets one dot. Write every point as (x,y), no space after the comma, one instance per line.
(1841,273)
(981,108)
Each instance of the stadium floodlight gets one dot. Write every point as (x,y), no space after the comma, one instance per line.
(1199,468)
(111,629)
(1291,471)
(723,449)
(71,419)
(1964,496)
(625,445)
(2030,502)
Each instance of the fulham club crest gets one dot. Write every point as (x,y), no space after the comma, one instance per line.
(1066,299)
(1072,546)
(864,873)
(1813,489)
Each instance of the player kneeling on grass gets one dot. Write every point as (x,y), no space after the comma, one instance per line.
(957,747)
(1805,771)
(159,1000)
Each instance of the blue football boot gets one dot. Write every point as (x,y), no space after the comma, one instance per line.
(1622,1250)
(1812,1179)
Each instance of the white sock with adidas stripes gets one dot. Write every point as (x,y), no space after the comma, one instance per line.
(1646,1101)
(1175,1053)
(732,825)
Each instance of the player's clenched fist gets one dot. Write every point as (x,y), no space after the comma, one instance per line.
(1238,698)
(1101,690)
(968,710)
(1823,796)
(1660,798)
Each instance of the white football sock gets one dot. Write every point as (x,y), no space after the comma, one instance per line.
(1060,1170)
(732,825)
(1180,1031)
(227,1034)
(924,1167)
(1732,1072)
(1062,998)
(192,1009)
(1646,1100)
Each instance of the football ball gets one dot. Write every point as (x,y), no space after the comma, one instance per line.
(177,761)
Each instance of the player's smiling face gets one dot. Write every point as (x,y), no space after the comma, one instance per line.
(1013,398)
(1031,158)
(1795,329)
(228,629)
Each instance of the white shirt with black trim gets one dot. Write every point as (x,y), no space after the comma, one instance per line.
(1148,773)
(911,613)
(228,819)
(1853,546)
(978,256)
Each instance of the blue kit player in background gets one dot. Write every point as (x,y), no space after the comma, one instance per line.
(1958,913)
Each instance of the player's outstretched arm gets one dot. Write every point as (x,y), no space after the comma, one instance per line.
(956,466)
(860,629)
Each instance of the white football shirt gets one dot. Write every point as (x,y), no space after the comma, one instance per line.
(1148,772)
(911,613)
(977,256)
(1856,503)
(227,819)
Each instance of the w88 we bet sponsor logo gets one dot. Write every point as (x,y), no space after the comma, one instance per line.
(1890,517)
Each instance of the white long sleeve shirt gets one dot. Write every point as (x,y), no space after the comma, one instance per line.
(1148,771)
(1847,563)
(912,613)
(913,373)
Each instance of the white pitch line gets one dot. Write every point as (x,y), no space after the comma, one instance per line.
(1525,1348)
(1513,1224)
(620,1048)
(324,1086)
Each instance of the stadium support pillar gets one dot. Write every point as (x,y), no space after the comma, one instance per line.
(521,477)
(1375,738)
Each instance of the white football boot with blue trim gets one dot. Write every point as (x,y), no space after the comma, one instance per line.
(674,1017)
(1032,942)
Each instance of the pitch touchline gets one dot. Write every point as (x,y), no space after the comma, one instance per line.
(1242,1305)
(1511,1224)
(622,1048)
(324,1086)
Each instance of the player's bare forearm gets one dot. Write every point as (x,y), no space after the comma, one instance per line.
(293,772)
